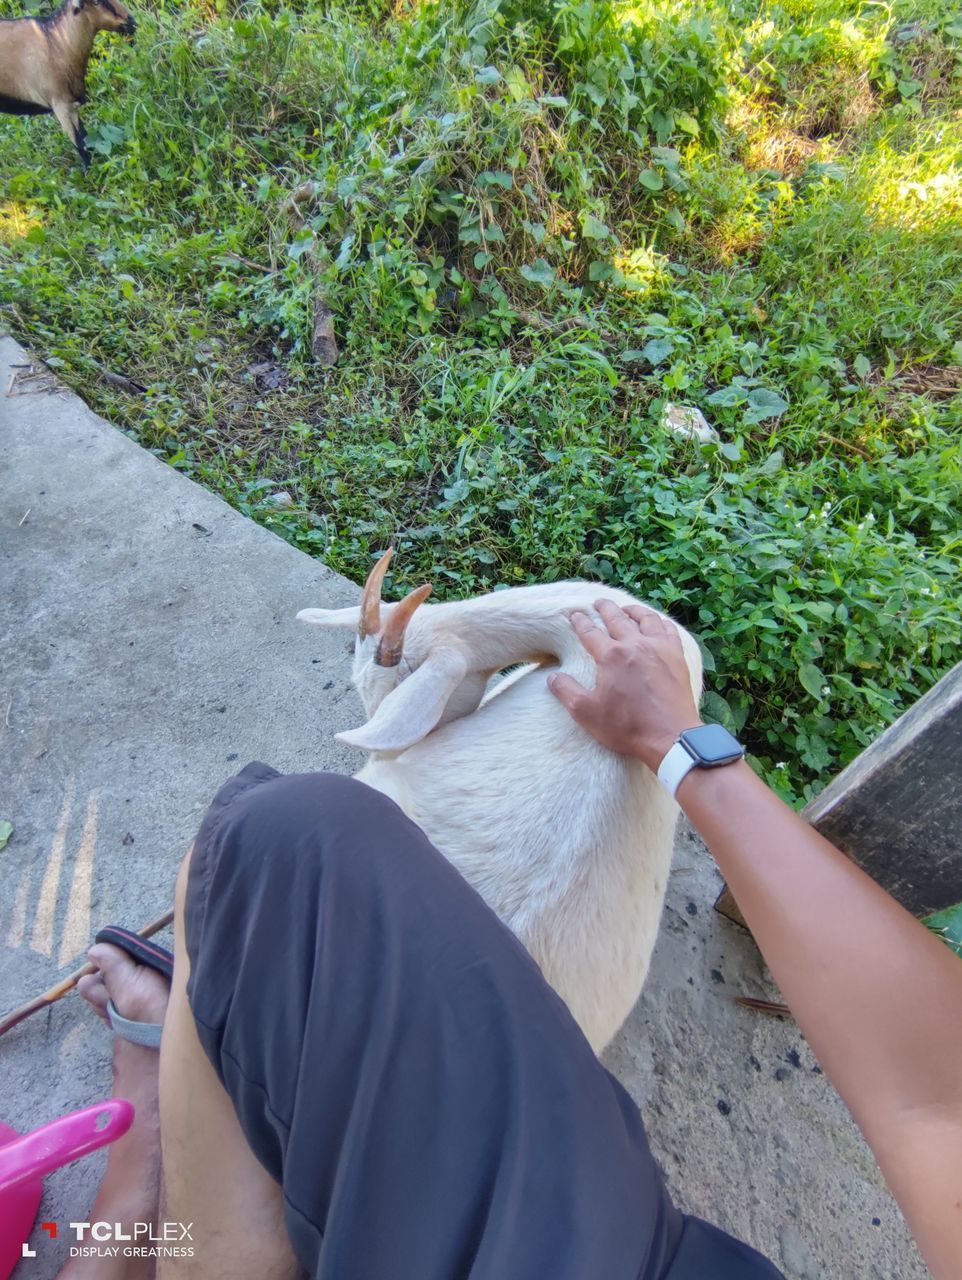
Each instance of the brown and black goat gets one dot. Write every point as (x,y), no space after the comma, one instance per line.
(43,61)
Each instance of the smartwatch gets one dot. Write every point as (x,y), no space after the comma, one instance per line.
(708,746)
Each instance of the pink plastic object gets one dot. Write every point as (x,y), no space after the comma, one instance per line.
(18,1210)
(25,1160)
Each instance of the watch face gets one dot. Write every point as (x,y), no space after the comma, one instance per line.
(710,744)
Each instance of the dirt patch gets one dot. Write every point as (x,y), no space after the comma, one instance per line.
(938,381)
(941,382)
(783,150)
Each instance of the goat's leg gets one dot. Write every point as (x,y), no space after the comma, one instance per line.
(68,114)
(81,142)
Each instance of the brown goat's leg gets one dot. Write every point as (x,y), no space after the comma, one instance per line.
(81,141)
(68,113)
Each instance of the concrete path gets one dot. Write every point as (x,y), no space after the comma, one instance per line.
(147,650)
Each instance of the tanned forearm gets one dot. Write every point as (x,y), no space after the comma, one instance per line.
(878,996)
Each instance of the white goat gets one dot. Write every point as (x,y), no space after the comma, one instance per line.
(568,842)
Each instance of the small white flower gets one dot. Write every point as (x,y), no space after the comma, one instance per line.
(825,691)
(781,765)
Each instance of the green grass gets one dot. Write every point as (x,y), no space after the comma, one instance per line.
(948,925)
(535,225)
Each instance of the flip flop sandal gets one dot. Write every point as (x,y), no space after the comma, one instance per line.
(154,957)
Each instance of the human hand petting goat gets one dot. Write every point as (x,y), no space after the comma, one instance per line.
(642,699)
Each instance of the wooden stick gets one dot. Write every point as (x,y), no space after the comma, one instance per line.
(763,1006)
(67,984)
(254,266)
(845,444)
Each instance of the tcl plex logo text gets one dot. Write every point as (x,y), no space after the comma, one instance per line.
(131,1240)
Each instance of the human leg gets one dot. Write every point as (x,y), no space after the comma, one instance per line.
(130,1187)
(396,1060)
(358,1051)
(211,1178)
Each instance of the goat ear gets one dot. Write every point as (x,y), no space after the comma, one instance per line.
(413,708)
(331,617)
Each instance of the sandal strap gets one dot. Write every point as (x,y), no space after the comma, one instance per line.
(143,950)
(143,1033)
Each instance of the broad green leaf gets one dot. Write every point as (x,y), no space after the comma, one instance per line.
(773,463)
(599,270)
(592,228)
(764,404)
(301,243)
(687,123)
(731,449)
(6,831)
(707,657)
(517,82)
(727,397)
(344,253)
(814,751)
(812,679)
(819,609)
(663,124)
(539,272)
(651,179)
(862,366)
(714,707)
(657,350)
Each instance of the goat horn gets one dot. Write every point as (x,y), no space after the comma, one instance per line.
(370,622)
(391,643)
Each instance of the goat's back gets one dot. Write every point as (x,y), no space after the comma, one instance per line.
(523,624)
(567,842)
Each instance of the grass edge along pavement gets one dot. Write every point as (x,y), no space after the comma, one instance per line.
(535,227)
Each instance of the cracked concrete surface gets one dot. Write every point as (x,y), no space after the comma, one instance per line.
(147,650)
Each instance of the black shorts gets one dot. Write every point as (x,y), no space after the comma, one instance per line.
(399,1065)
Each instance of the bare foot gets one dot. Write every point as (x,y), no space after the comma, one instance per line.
(130,1189)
